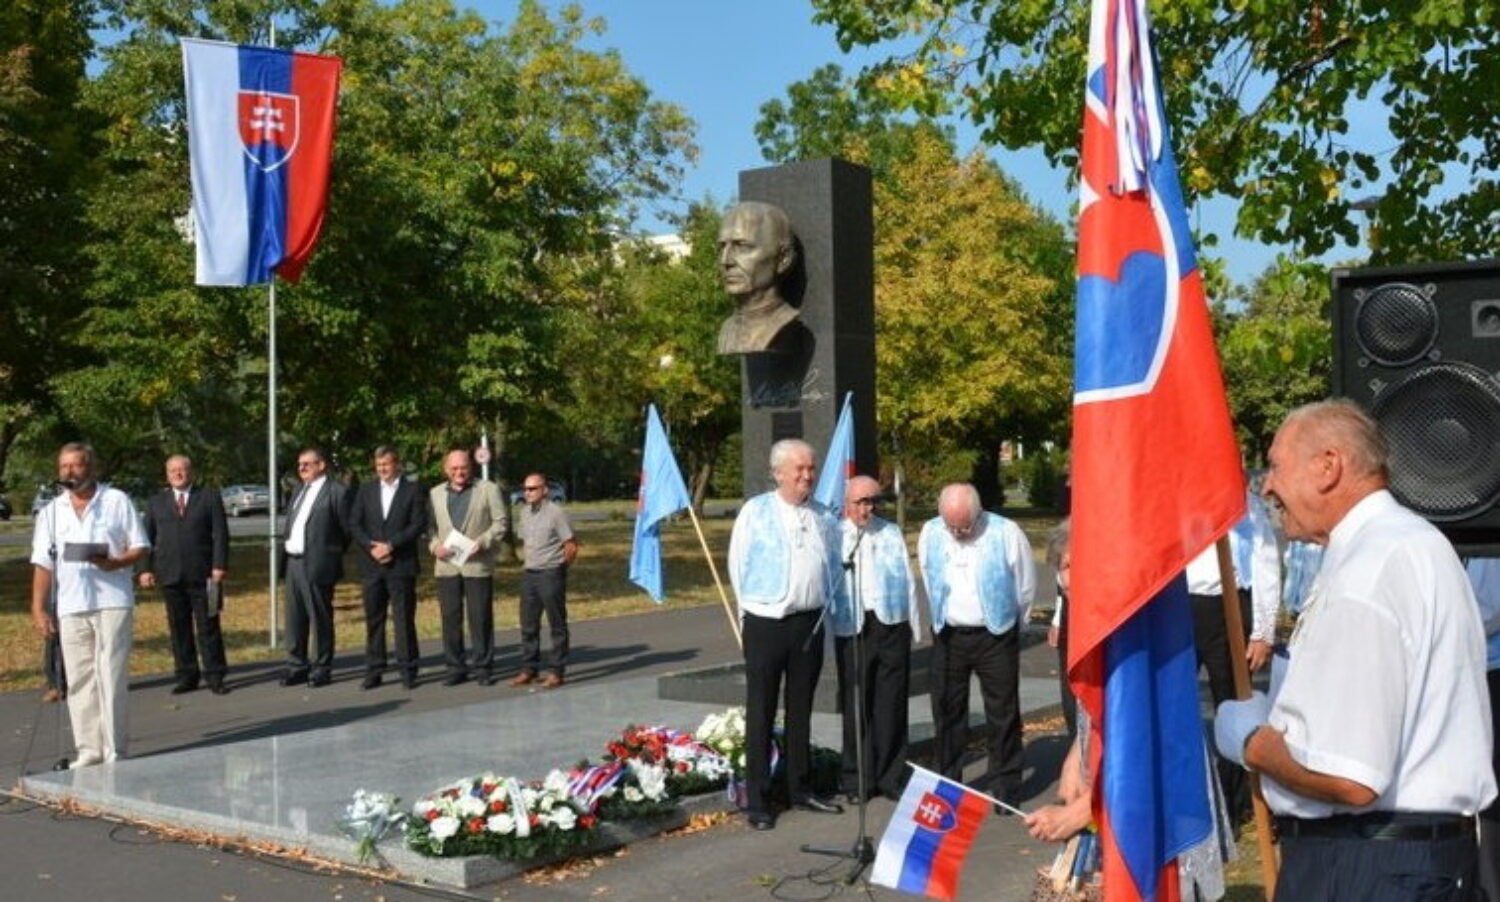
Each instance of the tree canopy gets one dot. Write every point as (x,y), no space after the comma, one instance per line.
(1317,119)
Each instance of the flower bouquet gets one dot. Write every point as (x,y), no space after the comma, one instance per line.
(368,818)
(500,816)
(691,766)
(642,793)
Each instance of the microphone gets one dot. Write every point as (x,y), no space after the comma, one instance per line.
(66,485)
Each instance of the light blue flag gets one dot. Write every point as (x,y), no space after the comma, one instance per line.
(662,494)
(838,463)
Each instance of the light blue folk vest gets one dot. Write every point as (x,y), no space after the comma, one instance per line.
(997,587)
(766,569)
(887,583)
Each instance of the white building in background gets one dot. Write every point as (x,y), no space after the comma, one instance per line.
(675,248)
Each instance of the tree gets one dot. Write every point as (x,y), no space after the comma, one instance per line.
(1261,97)
(44,172)
(1277,350)
(973,286)
(479,173)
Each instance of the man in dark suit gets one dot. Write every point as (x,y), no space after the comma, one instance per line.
(388,517)
(189,556)
(316,536)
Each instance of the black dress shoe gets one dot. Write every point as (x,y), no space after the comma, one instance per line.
(762,820)
(184,688)
(320,680)
(409,682)
(371,681)
(294,679)
(218,688)
(453,679)
(488,679)
(822,806)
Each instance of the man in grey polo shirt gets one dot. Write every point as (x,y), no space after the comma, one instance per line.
(549,549)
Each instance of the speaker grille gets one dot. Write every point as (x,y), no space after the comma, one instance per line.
(1443,426)
(1397,323)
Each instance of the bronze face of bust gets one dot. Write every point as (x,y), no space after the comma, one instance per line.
(756,251)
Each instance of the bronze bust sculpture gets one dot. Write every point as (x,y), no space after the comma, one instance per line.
(756,251)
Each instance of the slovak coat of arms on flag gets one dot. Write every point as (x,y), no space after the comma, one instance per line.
(269,127)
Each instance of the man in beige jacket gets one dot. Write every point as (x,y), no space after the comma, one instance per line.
(468,523)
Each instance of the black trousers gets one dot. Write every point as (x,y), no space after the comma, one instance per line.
(1489,818)
(884,669)
(1367,870)
(1211,639)
(188,616)
(544,591)
(52,659)
(309,607)
(958,652)
(474,595)
(789,650)
(397,594)
(1065,688)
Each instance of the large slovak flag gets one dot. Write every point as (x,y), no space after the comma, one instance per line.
(1156,472)
(662,494)
(838,463)
(260,139)
(924,846)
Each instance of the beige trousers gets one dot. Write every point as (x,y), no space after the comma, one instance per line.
(96,653)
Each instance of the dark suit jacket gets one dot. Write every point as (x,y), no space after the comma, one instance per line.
(327,533)
(184,549)
(401,529)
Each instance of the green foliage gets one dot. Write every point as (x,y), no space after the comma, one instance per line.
(1261,95)
(479,174)
(1278,352)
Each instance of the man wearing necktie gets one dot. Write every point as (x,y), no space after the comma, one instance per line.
(316,536)
(189,551)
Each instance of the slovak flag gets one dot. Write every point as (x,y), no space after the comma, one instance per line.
(924,846)
(260,139)
(1155,469)
(838,463)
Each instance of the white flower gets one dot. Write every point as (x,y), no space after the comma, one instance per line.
(500,823)
(468,806)
(653,780)
(444,827)
(563,817)
(556,782)
(423,806)
(632,794)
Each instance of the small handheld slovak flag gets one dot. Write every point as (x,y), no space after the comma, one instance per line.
(662,494)
(924,846)
(260,143)
(838,463)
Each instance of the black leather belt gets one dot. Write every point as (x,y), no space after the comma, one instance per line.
(295,557)
(1407,826)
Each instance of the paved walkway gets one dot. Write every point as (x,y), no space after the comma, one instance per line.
(208,756)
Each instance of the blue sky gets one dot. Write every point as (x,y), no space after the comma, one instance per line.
(688,52)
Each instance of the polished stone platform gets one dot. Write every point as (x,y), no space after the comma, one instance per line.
(290,790)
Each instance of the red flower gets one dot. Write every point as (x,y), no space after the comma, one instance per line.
(476,825)
(497,806)
(487,788)
(587,821)
(432,814)
(534,820)
(681,767)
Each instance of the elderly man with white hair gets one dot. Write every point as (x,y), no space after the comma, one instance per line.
(980,581)
(785,567)
(879,608)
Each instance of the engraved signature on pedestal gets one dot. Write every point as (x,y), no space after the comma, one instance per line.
(788,392)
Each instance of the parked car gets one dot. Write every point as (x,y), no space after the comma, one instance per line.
(240,500)
(42,498)
(555,493)
(4,508)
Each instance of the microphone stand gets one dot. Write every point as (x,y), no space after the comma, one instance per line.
(62,763)
(862,852)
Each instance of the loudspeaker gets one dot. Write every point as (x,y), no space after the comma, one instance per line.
(1419,348)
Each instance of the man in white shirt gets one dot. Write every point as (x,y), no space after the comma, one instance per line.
(1375,751)
(1484,575)
(784,565)
(877,606)
(86,540)
(980,582)
(316,536)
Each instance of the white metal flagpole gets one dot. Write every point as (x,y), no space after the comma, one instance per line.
(273,485)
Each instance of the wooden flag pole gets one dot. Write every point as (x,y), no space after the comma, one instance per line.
(734,622)
(1235,628)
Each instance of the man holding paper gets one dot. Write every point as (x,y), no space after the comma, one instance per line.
(468,523)
(87,539)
